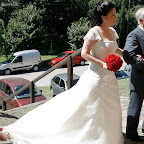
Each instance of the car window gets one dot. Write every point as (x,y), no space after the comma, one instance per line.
(56,80)
(62,55)
(0,84)
(68,54)
(18,59)
(8,90)
(26,92)
(2,87)
(74,81)
(11,58)
(62,84)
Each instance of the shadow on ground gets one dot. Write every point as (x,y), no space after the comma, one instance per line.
(129,141)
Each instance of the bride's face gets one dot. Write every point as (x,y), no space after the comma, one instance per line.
(110,18)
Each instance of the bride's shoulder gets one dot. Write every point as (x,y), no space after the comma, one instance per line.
(95,30)
(111,28)
(93,34)
(114,32)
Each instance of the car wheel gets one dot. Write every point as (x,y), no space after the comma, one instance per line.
(35,68)
(52,92)
(82,63)
(7,71)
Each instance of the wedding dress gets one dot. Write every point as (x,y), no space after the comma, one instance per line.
(88,113)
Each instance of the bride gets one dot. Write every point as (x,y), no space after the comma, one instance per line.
(89,112)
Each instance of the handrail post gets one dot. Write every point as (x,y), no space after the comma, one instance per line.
(32,93)
(70,72)
(68,60)
(3,105)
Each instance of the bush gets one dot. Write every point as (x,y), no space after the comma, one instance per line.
(76,33)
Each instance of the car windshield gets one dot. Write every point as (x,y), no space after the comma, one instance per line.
(75,81)
(26,92)
(61,55)
(11,58)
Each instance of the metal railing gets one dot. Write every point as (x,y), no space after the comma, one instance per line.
(68,60)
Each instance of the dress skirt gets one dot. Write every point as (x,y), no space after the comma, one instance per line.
(88,113)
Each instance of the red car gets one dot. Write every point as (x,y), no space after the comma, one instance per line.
(10,85)
(76,60)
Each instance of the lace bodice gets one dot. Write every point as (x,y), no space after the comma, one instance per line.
(102,48)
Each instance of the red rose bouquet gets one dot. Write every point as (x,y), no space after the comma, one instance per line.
(113,62)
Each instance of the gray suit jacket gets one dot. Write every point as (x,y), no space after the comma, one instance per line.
(135,45)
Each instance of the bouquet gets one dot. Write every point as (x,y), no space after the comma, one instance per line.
(113,62)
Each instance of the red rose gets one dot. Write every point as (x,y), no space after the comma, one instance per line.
(113,62)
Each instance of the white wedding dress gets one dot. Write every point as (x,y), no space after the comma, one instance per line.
(88,113)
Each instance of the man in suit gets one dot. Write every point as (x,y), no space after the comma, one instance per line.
(135,46)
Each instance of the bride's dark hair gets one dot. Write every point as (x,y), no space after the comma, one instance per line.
(101,8)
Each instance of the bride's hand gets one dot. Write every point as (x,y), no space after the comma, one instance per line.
(1,128)
(139,57)
(105,65)
(3,137)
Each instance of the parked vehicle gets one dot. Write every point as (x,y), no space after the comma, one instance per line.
(76,60)
(10,85)
(22,60)
(128,68)
(121,74)
(58,83)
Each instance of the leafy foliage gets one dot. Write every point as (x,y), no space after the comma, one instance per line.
(122,25)
(76,33)
(45,24)
(133,22)
(22,27)
(3,45)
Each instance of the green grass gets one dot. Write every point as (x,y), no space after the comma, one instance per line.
(46,91)
(123,85)
(2,58)
(47,57)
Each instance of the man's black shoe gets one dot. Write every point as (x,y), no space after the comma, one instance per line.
(136,139)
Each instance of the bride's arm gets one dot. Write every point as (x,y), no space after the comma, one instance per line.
(85,53)
(119,52)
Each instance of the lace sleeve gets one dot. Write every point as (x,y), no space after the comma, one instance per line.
(115,33)
(93,34)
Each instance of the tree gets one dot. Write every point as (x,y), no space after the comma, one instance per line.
(51,20)
(59,14)
(22,27)
(77,32)
(3,44)
(122,24)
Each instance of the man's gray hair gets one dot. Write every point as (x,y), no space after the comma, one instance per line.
(140,14)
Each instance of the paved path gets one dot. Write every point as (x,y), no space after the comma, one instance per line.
(45,81)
